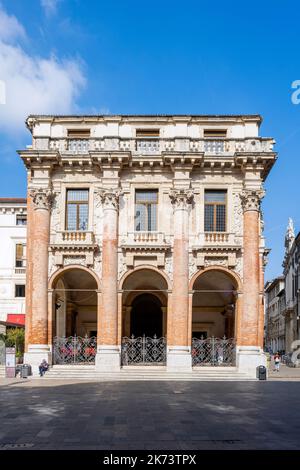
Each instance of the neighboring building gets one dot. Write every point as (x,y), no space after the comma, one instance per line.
(275,315)
(147,226)
(13,220)
(291,270)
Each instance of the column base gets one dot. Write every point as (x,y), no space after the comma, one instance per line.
(35,355)
(179,359)
(249,358)
(108,359)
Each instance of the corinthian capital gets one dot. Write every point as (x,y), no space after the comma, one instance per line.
(180,198)
(251,199)
(110,198)
(41,198)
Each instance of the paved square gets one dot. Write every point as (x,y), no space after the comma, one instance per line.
(149,415)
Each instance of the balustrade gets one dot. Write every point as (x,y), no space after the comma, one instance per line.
(155,146)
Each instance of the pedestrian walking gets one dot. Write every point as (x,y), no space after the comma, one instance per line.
(277,362)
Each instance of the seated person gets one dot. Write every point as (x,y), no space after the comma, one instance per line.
(43,367)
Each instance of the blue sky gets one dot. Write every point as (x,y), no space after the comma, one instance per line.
(91,56)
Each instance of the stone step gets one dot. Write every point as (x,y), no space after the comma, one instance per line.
(140,378)
(143,373)
(141,369)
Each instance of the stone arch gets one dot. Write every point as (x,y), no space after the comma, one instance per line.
(138,282)
(216,311)
(59,272)
(227,271)
(141,268)
(73,302)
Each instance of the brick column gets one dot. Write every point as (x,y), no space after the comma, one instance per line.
(108,351)
(250,349)
(179,350)
(38,347)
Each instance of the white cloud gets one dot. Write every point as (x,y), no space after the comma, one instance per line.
(36,85)
(49,6)
(10,28)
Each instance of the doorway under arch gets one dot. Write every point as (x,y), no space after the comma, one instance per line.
(144,317)
(74,316)
(214,318)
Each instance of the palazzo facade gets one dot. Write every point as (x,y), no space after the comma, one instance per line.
(145,240)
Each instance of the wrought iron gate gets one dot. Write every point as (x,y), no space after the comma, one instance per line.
(213,352)
(144,350)
(74,350)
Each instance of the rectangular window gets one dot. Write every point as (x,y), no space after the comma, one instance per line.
(19,290)
(79,133)
(146,210)
(20,255)
(78,140)
(21,219)
(215,211)
(147,133)
(77,209)
(214,133)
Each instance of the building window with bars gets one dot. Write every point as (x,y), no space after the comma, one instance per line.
(215,211)
(77,209)
(146,210)
(20,255)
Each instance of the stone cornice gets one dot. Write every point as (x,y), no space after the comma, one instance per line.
(215,248)
(32,120)
(146,248)
(72,248)
(258,161)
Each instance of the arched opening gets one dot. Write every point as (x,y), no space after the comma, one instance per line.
(144,317)
(74,325)
(214,317)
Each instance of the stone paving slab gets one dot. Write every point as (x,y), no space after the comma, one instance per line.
(285,373)
(149,415)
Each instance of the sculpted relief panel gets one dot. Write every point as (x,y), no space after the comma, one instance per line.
(238,214)
(56,213)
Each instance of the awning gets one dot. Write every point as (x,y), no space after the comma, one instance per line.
(17,319)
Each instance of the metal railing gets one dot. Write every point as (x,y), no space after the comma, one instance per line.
(143,350)
(74,350)
(213,351)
